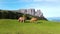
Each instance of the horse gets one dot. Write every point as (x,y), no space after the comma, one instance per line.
(21,19)
(33,20)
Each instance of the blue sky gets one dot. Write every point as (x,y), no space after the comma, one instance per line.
(50,8)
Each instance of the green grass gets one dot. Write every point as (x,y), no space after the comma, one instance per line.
(9,26)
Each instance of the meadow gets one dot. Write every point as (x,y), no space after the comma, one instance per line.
(12,26)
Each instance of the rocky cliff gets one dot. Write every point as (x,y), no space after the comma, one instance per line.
(32,12)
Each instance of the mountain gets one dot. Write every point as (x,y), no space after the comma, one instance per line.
(15,14)
(38,14)
(54,19)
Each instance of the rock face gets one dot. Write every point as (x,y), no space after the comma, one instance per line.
(32,12)
(39,13)
(27,11)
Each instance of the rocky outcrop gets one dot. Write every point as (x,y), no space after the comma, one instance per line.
(32,12)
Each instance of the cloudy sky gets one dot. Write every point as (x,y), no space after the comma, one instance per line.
(50,8)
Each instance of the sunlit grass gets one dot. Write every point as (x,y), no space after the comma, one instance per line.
(9,26)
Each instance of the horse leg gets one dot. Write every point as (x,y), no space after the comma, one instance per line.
(35,21)
(23,21)
(18,20)
(31,21)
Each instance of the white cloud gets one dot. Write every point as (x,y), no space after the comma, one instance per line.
(48,11)
(52,0)
(33,0)
(24,0)
(46,0)
(37,0)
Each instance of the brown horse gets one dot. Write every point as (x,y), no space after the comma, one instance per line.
(33,20)
(22,19)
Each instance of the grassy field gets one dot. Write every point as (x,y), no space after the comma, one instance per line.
(9,26)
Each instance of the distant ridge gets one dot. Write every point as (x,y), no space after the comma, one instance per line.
(54,19)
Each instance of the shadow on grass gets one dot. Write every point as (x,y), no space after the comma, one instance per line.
(27,21)
(11,33)
(39,22)
(35,22)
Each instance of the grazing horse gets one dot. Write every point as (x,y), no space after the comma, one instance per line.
(33,20)
(22,19)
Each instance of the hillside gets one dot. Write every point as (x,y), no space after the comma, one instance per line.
(15,14)
(11,26)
